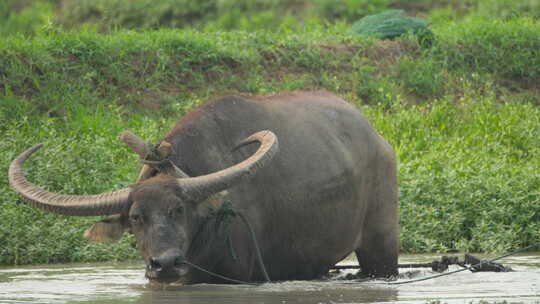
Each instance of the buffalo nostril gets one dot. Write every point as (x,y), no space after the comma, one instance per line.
(165,262)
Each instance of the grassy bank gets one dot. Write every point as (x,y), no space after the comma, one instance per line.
(31,17)
(462,115)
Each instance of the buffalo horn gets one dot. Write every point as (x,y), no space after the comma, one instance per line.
(206,185)
(136,144)
(164,149)
(79,205)
(140,147)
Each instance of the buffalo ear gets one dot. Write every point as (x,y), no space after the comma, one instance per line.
(108,230)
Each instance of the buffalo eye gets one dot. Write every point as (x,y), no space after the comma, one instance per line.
(135,219)
(175,212)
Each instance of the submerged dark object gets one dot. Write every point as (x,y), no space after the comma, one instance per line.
(480,265)
(475,264)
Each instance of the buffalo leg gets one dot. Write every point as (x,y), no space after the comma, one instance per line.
(379,247)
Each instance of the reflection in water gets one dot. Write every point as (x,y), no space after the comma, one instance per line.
(125,283)
(287,292)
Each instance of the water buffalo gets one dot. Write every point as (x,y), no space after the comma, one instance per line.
(329,189)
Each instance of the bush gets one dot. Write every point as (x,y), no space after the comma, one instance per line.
(468,174)
(507,49)
(423,76)
(212,15)
(349,10)
(508,9)
(148,14)
(24,20)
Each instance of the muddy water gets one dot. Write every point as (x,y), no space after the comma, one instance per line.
(125,283)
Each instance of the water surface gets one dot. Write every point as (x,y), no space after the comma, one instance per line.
(125,283)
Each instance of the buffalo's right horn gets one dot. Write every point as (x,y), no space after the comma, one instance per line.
(164,149)
(206,185)
(80,205)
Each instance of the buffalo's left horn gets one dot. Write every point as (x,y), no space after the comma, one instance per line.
(79,205)
(141,147)
(136,144)
(206,185)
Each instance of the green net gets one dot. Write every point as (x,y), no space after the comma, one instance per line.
(391,24)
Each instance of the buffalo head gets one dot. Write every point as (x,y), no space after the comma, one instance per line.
(163,212)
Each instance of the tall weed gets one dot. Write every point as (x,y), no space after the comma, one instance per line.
(509,49)
(461,169)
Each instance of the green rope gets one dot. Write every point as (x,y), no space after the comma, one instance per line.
(231,248)
(223,220)
(162,165)
(257,249)
(218,275)
(224,217)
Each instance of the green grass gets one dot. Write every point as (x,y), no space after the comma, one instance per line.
(31,17)
(469,177)
(509,49)
(81,155)
(18,19)
(462,116)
